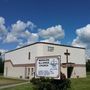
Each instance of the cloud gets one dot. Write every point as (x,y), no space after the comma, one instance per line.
(55,31)
(3,51)
(23,33)
(78,43)
(2,21)
(20,27)
(31,25)
(83,38)
(52,34)
(33,38)
(26,34)
(20,44)
(19,30)
(3,30)
(10,38)
(51,40)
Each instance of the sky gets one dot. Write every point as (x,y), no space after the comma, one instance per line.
(24,22)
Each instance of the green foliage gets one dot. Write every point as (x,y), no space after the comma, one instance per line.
(88,66)
(50,84)
(0,53)
(1,64)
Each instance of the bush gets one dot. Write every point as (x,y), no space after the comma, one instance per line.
(50,84)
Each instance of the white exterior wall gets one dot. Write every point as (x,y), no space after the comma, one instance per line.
(14,72)
(79,72)
(17,72)
(20,56)
(77,55)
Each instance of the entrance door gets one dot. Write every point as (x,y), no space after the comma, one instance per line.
(70,70)
(27,72)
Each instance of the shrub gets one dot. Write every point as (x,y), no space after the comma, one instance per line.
(50,84)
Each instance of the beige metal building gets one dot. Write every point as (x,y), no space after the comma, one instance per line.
(20,63)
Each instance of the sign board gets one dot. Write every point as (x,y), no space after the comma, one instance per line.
(48,66)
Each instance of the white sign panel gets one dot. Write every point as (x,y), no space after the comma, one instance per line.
(48,67)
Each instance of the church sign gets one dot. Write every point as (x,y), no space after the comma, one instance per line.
(48,66)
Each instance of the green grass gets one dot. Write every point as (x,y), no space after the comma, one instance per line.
(21,87)
(88,74)
(76,84)
(9,81)
(81,83)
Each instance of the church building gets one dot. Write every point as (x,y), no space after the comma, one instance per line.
(20,63)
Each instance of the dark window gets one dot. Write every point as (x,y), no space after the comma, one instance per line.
(50,48)
(29,55)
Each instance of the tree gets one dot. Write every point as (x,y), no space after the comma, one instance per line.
(0,53)
(88,65)
(1,64)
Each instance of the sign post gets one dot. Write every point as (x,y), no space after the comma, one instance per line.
(48,66)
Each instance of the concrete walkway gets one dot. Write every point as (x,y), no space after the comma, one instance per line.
(13,85)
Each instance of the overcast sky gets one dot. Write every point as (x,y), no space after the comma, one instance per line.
(57,21)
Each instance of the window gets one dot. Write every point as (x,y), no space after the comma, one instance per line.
(28,71)
(29,55)
(50,48)
(32,71)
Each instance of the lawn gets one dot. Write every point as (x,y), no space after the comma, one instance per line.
(7,81)
(76,84)
(21,87)
(81,83)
